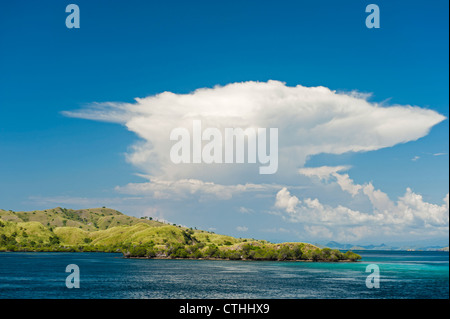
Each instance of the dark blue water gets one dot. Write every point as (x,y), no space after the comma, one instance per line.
(103,275)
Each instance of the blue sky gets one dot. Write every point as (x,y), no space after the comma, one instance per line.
(131,49)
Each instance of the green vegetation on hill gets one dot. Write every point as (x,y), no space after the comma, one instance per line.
(88,219)
(107,230)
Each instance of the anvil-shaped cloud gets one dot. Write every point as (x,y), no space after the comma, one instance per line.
(310,120)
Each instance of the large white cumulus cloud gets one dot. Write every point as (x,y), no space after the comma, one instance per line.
(310,120)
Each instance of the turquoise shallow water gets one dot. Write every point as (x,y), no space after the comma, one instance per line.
(102,275)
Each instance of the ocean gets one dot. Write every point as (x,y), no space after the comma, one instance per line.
(402,274)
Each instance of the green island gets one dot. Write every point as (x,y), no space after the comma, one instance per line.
(108,230)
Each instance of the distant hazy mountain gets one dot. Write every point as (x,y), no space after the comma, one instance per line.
(336,245)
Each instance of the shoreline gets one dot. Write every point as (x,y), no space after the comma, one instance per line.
(186,258)
(256,260)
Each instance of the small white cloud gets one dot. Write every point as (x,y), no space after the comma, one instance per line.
(415,158)
(322,172)
(347,184)
(326,172)
(284,200)
(242,228)
(245,210)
